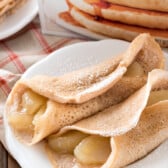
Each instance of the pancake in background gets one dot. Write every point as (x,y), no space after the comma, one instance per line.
(115,29)
(158,5)
(123,14)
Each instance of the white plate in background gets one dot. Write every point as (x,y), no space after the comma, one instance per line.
(65,60)
(48,11)
(19,19)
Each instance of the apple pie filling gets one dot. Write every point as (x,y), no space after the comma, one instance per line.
(31,107)
(157,96)
(135,69)
(87,149)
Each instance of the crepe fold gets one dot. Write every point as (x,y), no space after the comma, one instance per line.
(42,105)
(80,86)
(134,128)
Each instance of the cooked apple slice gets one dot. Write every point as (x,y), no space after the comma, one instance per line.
(31,102)
(67,142)
(21,121)
(93,150)
(135,69)
(39,113)
(156,96)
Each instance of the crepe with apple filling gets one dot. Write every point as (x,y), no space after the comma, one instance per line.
(118,135)
(42,105)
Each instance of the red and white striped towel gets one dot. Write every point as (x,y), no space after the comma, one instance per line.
(19,52)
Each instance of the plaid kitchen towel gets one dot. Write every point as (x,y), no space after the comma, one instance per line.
(19,52)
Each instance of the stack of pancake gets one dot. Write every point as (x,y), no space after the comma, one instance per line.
(8,6)
(122,19)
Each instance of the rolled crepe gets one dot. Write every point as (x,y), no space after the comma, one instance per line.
(36,107)
(119,135)
(80,86)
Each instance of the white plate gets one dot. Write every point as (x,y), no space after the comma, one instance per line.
(20,18)
(65,60)
(47,13)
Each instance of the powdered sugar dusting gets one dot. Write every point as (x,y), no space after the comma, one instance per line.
(105,82)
